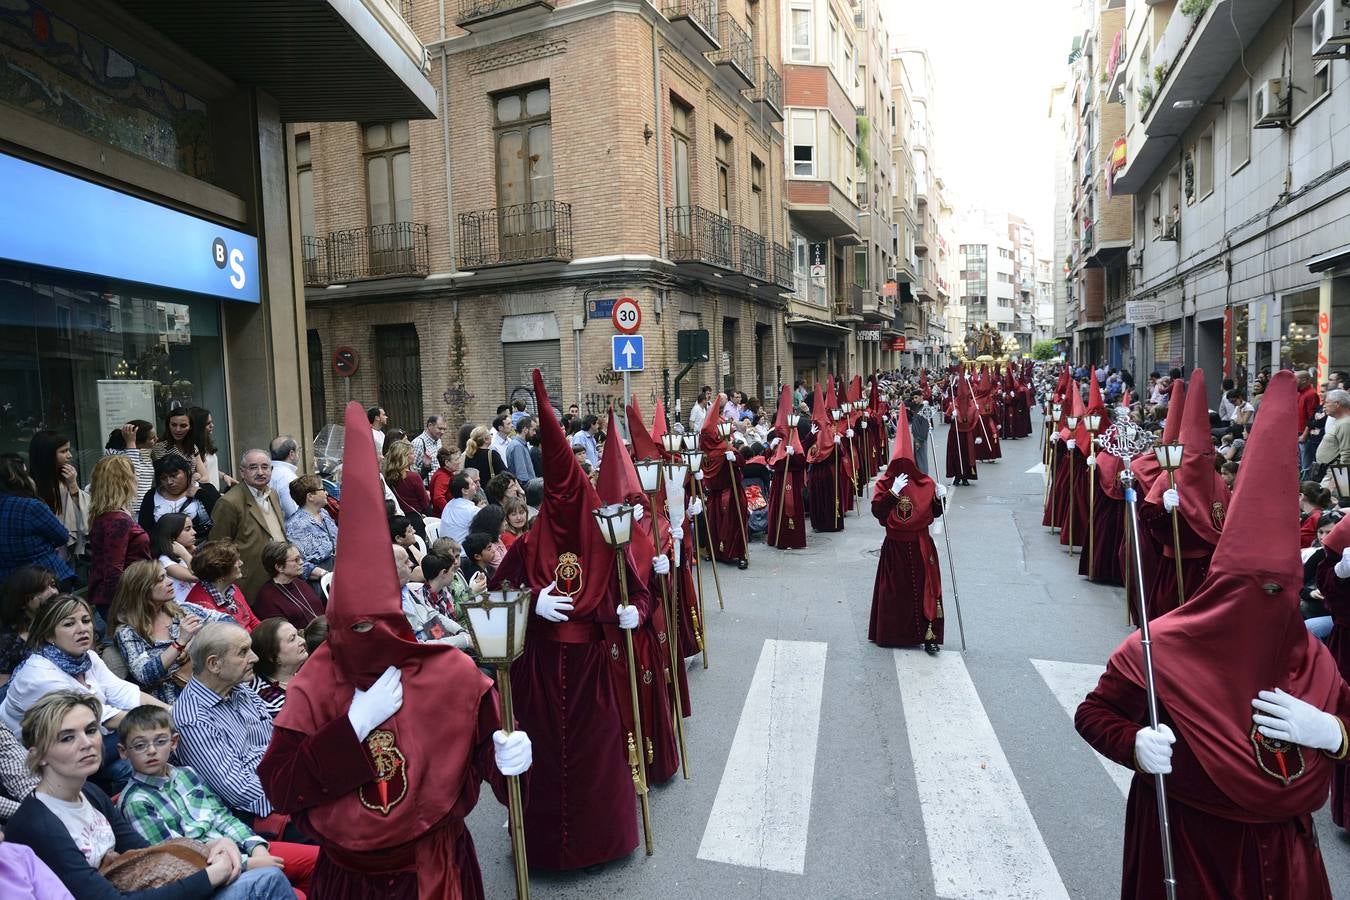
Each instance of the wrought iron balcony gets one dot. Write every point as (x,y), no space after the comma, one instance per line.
(697,235)
(379,251)
(314,257)
(477,12)
(751,256)
(768,93)
(736,55)
(849,304)
(782,267)
(695,19)
(509,235)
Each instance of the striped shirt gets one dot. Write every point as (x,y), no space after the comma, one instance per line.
(223,739)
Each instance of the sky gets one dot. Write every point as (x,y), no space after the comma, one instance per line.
(995,62)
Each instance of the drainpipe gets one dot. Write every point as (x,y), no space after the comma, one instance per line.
(660,143)
(445,143)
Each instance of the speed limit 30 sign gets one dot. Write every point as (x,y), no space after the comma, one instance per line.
(627,316)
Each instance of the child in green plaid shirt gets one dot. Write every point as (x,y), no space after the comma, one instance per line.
(162,801)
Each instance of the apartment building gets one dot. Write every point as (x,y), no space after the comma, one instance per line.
(1023,240)
(1235,120)
(167,275)
(583,153)
(1045,301)
(1065,309)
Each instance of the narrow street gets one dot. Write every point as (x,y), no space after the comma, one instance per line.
(823,766)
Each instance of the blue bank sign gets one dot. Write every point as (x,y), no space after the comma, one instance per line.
(49,218)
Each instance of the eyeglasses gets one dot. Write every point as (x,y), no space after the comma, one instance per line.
(158,743)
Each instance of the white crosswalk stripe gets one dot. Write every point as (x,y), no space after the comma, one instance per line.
(1070,683)
(982,838)
(763,808)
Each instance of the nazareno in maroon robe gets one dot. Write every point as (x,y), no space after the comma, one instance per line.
(787,508)
(1108,515)
(907,593)
(1337,598)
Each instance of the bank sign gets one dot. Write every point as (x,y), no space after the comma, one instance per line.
(49,218)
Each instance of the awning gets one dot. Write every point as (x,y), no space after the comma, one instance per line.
(323,60)
(1333,260)
(815,332)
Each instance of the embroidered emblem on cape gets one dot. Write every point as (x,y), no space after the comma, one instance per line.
(1217,513)
(904,508)
(391,774)
(1280,760)
(568,574)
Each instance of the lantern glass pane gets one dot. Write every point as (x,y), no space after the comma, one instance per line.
(489,631)
(649,474)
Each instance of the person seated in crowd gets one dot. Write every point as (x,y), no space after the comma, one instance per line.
(163,801)
(1228,471)
(501,486)
(462,506)
(16,781)
(401,533)
(223,725)
(75,829)
(218,567)
(311,528)
(172,544)
(534,495)
(1313,501)
(1311,601)
(448,461)
(153,631)
(489,520)
(517,520)
(116,540)
(25,590)
(413,500)
(445,588)
(286,593)
(30,534)
(61,657)
(315,634)
(482,554)
(58,485)
(428,623)
(135,440)
(280,648)
(175,491)
(1230,448)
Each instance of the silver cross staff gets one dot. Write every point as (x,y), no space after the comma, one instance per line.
(929,412)
(1127,441)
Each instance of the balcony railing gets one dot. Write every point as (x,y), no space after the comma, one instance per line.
(699,236)
(472,12)
(751,257)
(769,93)
(379,251)
(737,51)
(1087,237)
(508,235)
(782,267)
(696,18)
(849,303)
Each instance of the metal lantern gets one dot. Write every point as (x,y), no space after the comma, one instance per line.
(1072,422)
(1168,455)
(674,472)
(1057,411)
(1093,422)
(794,419)
(672,442)
(835,414)
(694,459)
(1340,479)
(690,441)
(862,423)
(649,474)
(724,429)
(616,523)
(496,621)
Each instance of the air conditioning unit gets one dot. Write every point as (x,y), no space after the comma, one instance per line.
(1330,29)
(1268,105)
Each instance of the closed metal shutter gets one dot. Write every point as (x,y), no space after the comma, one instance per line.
(1168,346)
(520,359)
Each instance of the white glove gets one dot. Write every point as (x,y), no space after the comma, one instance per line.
(815,429)
(730,455)
(638,512)
(551,606)
(901,481)
(461,639)
(1054,436)
(1171,499)
(628,616)
(661,564)
(1071,444)
(848,433)
(1092,460)
(1342,568)
(375,705)
(979,441)
(512,751)
(775,442)
(790,451)
(1153,749)
(696,507)
(698,476)
(1290,719)
(837,439)
(676,533)
(940,490)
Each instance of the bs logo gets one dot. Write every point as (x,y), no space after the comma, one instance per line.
(222,256)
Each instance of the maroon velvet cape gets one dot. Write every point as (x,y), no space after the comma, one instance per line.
(787,507)
(723,496)
(1337,597)
(961,453)
(824,499)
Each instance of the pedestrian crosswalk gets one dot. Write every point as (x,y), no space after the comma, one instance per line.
(1070,683)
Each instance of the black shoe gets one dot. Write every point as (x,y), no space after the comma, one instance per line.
(742,563)
(931,648)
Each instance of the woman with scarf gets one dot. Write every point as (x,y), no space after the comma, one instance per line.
(218,567)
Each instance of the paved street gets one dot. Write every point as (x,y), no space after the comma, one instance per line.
(823,766)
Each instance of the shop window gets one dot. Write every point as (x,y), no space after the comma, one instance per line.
(77,353)
(1298,329)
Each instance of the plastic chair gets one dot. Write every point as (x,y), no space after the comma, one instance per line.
(326,584)
(433,528)
(420,544)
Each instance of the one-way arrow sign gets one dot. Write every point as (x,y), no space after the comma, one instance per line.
(627,352)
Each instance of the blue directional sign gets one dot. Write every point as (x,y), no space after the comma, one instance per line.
(627,352)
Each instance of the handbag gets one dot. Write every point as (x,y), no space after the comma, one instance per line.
(142,870)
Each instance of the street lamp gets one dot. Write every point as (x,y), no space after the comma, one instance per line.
(497,623)
(1169,457)
(616,527)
